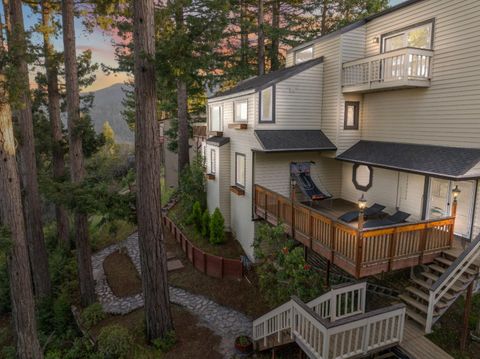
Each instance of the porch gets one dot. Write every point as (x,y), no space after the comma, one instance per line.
(360,252)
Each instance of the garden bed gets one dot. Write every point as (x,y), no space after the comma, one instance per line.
(122,276)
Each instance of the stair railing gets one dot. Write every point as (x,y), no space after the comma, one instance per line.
(450,277)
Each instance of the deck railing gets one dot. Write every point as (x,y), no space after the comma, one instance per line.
(334,325)
(390,69)
(359,252)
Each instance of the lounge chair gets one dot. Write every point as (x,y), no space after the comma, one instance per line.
(371,211)
(396,218)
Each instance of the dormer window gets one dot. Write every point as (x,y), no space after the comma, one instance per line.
(241,111)
(419,36)
(216,119)
(303,55)
(267,107)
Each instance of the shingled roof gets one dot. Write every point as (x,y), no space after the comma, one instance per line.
(442,161)
(267,80)
(293,140)
(218,141)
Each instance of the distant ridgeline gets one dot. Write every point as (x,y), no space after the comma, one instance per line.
(108,106)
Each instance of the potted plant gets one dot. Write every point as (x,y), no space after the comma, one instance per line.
(244,344)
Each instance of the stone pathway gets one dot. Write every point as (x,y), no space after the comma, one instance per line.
(223,321)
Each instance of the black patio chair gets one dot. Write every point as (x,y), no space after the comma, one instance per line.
(396,218)
(371,211)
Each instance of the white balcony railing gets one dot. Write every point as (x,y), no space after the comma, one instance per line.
(402,68)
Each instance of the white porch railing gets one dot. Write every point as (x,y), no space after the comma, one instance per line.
(407,67)
(334,325)
(450,277)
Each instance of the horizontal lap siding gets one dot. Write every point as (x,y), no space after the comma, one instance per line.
(273,171)
(447,113)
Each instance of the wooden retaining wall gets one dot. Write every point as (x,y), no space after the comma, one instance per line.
(211,265)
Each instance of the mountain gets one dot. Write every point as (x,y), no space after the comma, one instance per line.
(108,106)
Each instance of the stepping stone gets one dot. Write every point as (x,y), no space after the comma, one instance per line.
(170,255)
(174,265)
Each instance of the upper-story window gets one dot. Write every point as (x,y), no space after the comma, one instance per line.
(216,119)
(241,111)
(418,36)
(213,161)
(240,170)
(352,114)
(303,55)
(267,105)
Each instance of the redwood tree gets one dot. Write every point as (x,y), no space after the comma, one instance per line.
(76,156)
(23,111)
(158,317)
(54,110)
(13,223)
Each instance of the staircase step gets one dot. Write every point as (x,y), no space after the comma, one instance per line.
(421,294)
(447,296)
(415,303)
(457,287)
(463,278)
(417,317)
(448,263)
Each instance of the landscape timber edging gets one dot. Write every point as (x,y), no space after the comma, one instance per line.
(209,264)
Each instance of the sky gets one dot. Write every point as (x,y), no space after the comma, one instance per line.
(101,45)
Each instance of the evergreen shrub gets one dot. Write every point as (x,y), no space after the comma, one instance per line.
(217,232)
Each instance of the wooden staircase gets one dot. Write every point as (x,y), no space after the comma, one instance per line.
(334,325)
(440,284)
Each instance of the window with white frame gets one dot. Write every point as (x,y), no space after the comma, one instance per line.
(266,105)
(216,119)
(213,161)
(303,55)
(419,36)
(241,111)
(240,170)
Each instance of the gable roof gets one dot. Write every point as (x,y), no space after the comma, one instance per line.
(447,162)
(354,25)
(293,140)
(260,82)
(218,141)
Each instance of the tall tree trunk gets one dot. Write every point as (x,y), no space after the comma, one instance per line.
(32,202)
(323,25)
(183,135)
(261,39)
(77,165)
(275,46)
(182,104)
(243,35)
(55,119)
(158,316)
(11,216)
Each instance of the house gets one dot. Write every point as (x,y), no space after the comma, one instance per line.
(387,110)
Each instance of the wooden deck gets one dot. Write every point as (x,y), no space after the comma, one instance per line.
(360,253)
(419,347)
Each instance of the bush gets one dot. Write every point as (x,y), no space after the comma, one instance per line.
(196,217)
(206,224)
(192,185)
(92,315)
(217,232)
(166,343)
(114,342)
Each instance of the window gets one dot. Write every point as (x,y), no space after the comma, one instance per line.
(352,113)
(418,36)
(216,119)
(266,105)
(241,111)
(213,161)
(362,177)
(303,55)
(240,174)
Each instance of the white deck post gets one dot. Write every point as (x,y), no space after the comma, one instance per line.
(431,307)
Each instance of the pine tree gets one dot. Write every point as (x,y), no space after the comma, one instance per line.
(23,110)
(76,155)
(158,317)
(12,220)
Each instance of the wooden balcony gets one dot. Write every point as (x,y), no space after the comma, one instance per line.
(359,252)
(402,68)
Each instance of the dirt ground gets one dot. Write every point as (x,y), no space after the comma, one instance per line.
(122,275)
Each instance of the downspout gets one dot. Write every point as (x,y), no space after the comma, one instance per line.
(474,210)
(253,186)
(426,189)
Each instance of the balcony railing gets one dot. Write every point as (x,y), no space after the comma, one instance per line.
(402,68)
(359,252)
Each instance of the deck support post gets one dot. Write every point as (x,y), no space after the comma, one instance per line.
(466,315)
(327,275)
